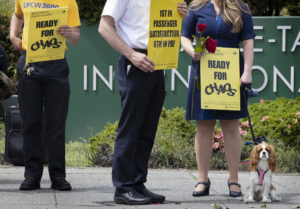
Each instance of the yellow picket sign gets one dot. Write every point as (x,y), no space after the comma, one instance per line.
(44,43)
(164,33)
(220,80)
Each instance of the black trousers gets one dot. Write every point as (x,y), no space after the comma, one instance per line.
(142,98)
(47,87)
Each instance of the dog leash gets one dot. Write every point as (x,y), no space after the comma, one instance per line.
(248,85)
(255,140)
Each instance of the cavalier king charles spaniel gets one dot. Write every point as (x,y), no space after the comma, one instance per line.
(262,163)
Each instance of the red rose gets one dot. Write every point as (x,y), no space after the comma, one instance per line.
(211,45)
(201,27)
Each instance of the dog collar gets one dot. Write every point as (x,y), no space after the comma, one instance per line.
(261,174)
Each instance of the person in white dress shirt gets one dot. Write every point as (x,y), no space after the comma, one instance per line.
(142,91)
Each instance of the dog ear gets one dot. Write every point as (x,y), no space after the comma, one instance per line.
(253,159)
(272,159)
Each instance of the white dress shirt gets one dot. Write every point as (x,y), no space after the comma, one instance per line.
(131,20)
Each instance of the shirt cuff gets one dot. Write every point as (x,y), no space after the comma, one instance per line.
(186,34)
(247,37)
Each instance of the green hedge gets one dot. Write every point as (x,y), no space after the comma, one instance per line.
(174,143)
(278,119)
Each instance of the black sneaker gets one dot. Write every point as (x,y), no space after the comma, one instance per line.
(30,184)
(61,184)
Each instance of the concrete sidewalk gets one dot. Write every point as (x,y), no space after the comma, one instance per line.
(92,188)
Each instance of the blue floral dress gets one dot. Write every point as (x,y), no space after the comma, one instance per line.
(217,29)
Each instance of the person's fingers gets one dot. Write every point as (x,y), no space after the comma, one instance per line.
(149,66)
(182,12)
(197,56)
(182,4)
(149,61)
(143,68)
(64,31)
(20,47)
(64,27)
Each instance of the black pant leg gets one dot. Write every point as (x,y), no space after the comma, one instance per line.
(135,90)
(30,95)
(148,131)
(56,102)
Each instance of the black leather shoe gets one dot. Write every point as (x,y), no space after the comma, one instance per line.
(61,184)
(30,184)
(154,197)
(131,198)
(204,192)
(234,194)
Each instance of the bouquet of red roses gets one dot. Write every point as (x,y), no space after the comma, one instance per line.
(205,45)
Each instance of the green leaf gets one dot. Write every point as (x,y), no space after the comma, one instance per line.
(264,206)
(195,37)
(198,49)
(203,39)
(296,207)
(217,206)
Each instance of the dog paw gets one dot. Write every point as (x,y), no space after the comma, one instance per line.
(266,200)
(277,199)
(248,200)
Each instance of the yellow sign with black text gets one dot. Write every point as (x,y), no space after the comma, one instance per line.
(164,33)
(220,80)
(44,43)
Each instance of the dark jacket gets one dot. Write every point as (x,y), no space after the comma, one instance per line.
(3,60)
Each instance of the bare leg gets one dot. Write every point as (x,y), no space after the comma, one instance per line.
(203,148)
(233,149)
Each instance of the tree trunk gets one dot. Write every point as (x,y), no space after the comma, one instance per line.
(270,8)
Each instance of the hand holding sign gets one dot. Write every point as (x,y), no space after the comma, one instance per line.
(65,31)
(182,8)
(142,62)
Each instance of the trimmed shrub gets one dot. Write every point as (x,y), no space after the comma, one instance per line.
(174,143)
(278,119)
(174,121)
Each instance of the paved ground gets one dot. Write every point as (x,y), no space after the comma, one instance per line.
(92,188)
